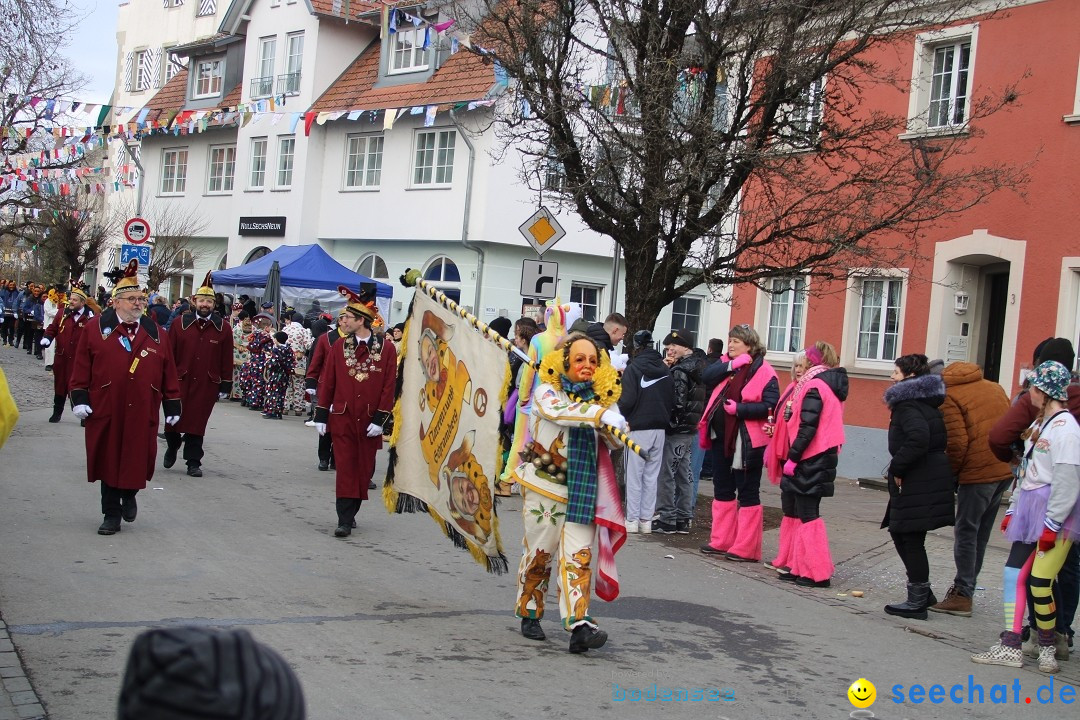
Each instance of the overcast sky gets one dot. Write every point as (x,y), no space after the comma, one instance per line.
(93,48)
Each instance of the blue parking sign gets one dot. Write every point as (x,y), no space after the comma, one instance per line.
(139,252)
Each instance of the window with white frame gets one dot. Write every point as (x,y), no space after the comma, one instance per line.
(407,52)
(222,168)
(879,318)
(258,164)
(286,149)
(173,65)
(442,271)
(373,266)
(554,173)
(209,75)
(263,85)
(588,296)
(363,161)
(144,69)
(787,314)
(940,99)
(801,124)
(174,171)
(686,315)
(434,157)
(289,83)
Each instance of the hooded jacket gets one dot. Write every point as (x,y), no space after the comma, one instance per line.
(599,335)
(648,392)
(924,500)
(689,394)
(815,471)
(972,406)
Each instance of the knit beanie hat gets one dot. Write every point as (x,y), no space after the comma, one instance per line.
(193,672)
(1052,378)
(501,325)
(1059,350)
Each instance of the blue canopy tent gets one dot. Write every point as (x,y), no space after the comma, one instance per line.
(307,273)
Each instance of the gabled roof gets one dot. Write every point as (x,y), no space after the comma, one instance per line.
(462,78)
(173,95)
(213,42)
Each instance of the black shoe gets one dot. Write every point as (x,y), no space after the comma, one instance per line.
(789,577)
(194,471)
(736,558)
(111,526)
(585,638)
(342,531)
(48,368)
(170,458)
(324,464)
(710,550)
(662,528)
(372,486)
(333,466)
(807,582)
(54,418)
(530,628)
(129,510)
(682,527)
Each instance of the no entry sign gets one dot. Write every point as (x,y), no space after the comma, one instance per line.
(137,230)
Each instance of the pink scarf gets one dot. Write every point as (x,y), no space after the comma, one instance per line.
(610,528)
(777,453)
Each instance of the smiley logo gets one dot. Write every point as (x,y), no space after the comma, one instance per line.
(862,693)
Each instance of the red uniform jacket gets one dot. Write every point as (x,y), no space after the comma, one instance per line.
(318,358)
(203,351)
(351,397)
(125,390)
(65,332)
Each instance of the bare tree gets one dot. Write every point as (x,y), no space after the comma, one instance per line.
(74,232)
(722,142)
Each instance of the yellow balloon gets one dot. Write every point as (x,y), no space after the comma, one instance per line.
(862,693)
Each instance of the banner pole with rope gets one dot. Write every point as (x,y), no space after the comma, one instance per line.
(412,279)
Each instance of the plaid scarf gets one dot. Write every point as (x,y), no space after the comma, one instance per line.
(581,459)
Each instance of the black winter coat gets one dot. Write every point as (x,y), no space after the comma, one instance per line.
(917,437)
(599,335)
(815,476)
(689,394)
(648,392)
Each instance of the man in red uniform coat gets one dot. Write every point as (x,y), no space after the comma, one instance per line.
(311,386)
(202,345)
(124,372)
(356,395)
(65,329)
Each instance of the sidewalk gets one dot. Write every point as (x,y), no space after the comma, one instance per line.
(866,560)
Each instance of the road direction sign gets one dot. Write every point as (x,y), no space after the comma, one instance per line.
(542,230)
(539,279)
(137,230)
(139,252)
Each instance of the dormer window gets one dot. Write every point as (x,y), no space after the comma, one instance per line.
(408,53)
(209,75)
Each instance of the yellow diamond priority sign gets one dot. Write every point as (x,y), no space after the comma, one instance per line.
(542,230)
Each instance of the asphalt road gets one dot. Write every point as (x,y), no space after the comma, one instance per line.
(395,622)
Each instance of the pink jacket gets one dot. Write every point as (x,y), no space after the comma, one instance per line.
(752,392)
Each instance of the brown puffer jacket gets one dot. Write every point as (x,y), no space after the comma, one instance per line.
(972,406)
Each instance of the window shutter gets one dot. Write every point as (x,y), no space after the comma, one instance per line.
(155,65)
(127,70)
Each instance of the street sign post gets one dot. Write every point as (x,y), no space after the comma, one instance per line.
(539,279)
(137,230)
(139,252)
(542,230)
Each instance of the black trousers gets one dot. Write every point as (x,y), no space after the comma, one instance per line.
(113,499)
(326,448)
(7,330)
(804,507)
(193,452)
(911,547)
(729,483)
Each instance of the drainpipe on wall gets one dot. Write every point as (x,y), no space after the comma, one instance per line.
(465,220)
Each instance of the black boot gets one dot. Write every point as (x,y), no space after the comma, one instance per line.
(57,408)
(111,526)
(585,638)
(918,596)
(530,628)
(345,514)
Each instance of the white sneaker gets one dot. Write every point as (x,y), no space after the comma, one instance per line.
(310,423)
(1001,655)
(646,527)
(631,526)
(1047,662)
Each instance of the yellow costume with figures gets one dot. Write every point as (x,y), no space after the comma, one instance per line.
(560,477)
(557,318)
(447,388)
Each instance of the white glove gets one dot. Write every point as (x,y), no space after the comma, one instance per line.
(615,419)
(222,396)
(172,419)
(311,392)
(619,360)
(374,430)
(321,427)
(45,342)
(81,411)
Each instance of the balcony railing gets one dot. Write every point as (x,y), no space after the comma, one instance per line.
(288,84)
(262,86)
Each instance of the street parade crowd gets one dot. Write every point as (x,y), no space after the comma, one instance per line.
(956,441)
